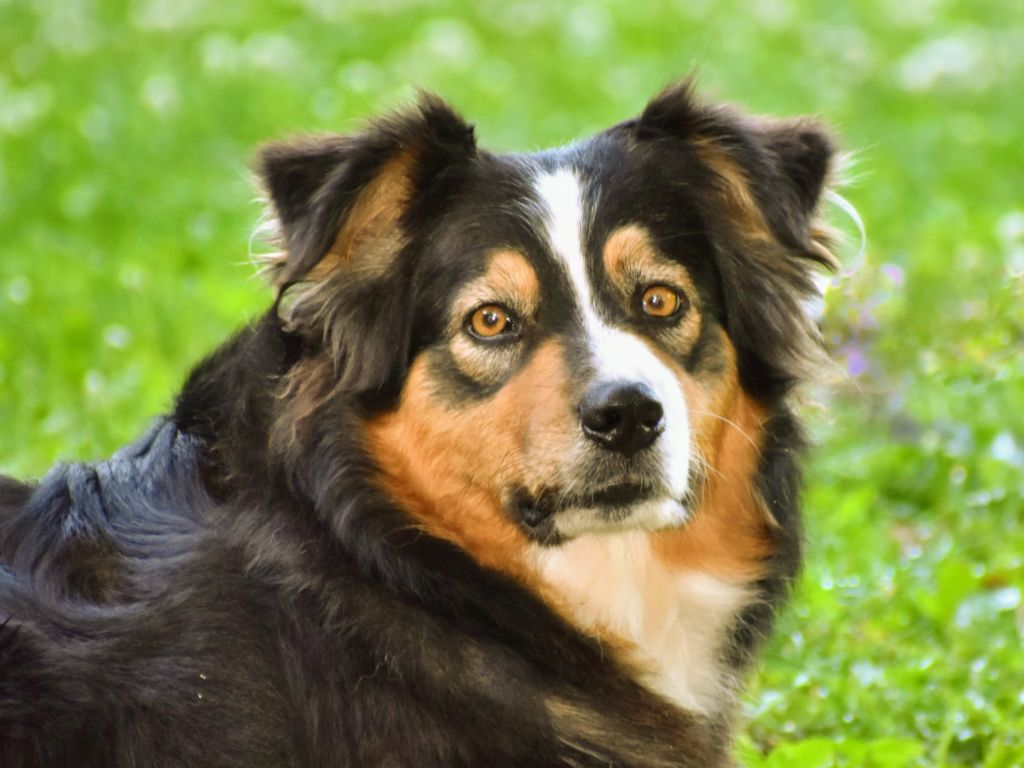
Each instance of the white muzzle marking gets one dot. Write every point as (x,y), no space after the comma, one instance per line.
(616,355)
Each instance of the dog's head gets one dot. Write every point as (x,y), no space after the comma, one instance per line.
(550,345)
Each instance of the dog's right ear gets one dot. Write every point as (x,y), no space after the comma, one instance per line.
(340,200)
(346,207)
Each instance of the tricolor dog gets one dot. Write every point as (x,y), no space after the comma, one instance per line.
(507,476)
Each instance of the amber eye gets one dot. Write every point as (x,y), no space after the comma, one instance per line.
(661,301)
(490,321)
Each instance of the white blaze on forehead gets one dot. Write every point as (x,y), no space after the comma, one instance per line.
(616,354)
(562,197)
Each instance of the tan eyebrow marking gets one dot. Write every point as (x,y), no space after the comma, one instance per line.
(632,260)
(508,280)
(509,272)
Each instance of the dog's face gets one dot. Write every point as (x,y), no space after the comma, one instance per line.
(555,381)
(550,345)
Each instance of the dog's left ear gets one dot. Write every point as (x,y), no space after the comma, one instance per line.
(764,179)
(772,173)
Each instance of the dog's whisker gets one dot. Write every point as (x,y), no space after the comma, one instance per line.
(742,432)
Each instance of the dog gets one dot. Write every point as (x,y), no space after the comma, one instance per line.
(508,475)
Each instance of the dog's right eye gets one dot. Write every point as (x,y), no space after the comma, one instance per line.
(491,321)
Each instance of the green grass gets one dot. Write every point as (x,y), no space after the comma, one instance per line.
(126,208)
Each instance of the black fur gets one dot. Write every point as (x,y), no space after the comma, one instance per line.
(786,164)
(213,597)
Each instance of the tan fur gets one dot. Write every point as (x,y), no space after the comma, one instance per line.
(632,261)
(447,466)
(364,248)
(366,245)
(371,236)
(735,192)
(746,213)
(729,534)
(508,280)
(664,601)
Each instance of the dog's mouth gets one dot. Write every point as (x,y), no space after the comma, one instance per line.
(536,513)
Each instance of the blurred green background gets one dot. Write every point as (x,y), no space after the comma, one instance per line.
(126,209)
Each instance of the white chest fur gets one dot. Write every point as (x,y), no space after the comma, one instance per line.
(676,620)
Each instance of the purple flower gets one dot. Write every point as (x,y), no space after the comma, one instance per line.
(894,272)
(856,361)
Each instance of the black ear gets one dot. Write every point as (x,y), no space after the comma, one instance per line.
(345,207)
(783,165)
(761,182)
(323,189)
(803,154)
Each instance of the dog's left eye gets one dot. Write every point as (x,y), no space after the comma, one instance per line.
(491,321)
(662,301)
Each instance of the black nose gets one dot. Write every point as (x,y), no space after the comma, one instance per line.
(622,416)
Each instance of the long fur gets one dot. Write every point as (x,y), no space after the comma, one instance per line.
(237,587)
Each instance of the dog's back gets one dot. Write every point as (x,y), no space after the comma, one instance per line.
(76,530)
(102,661)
